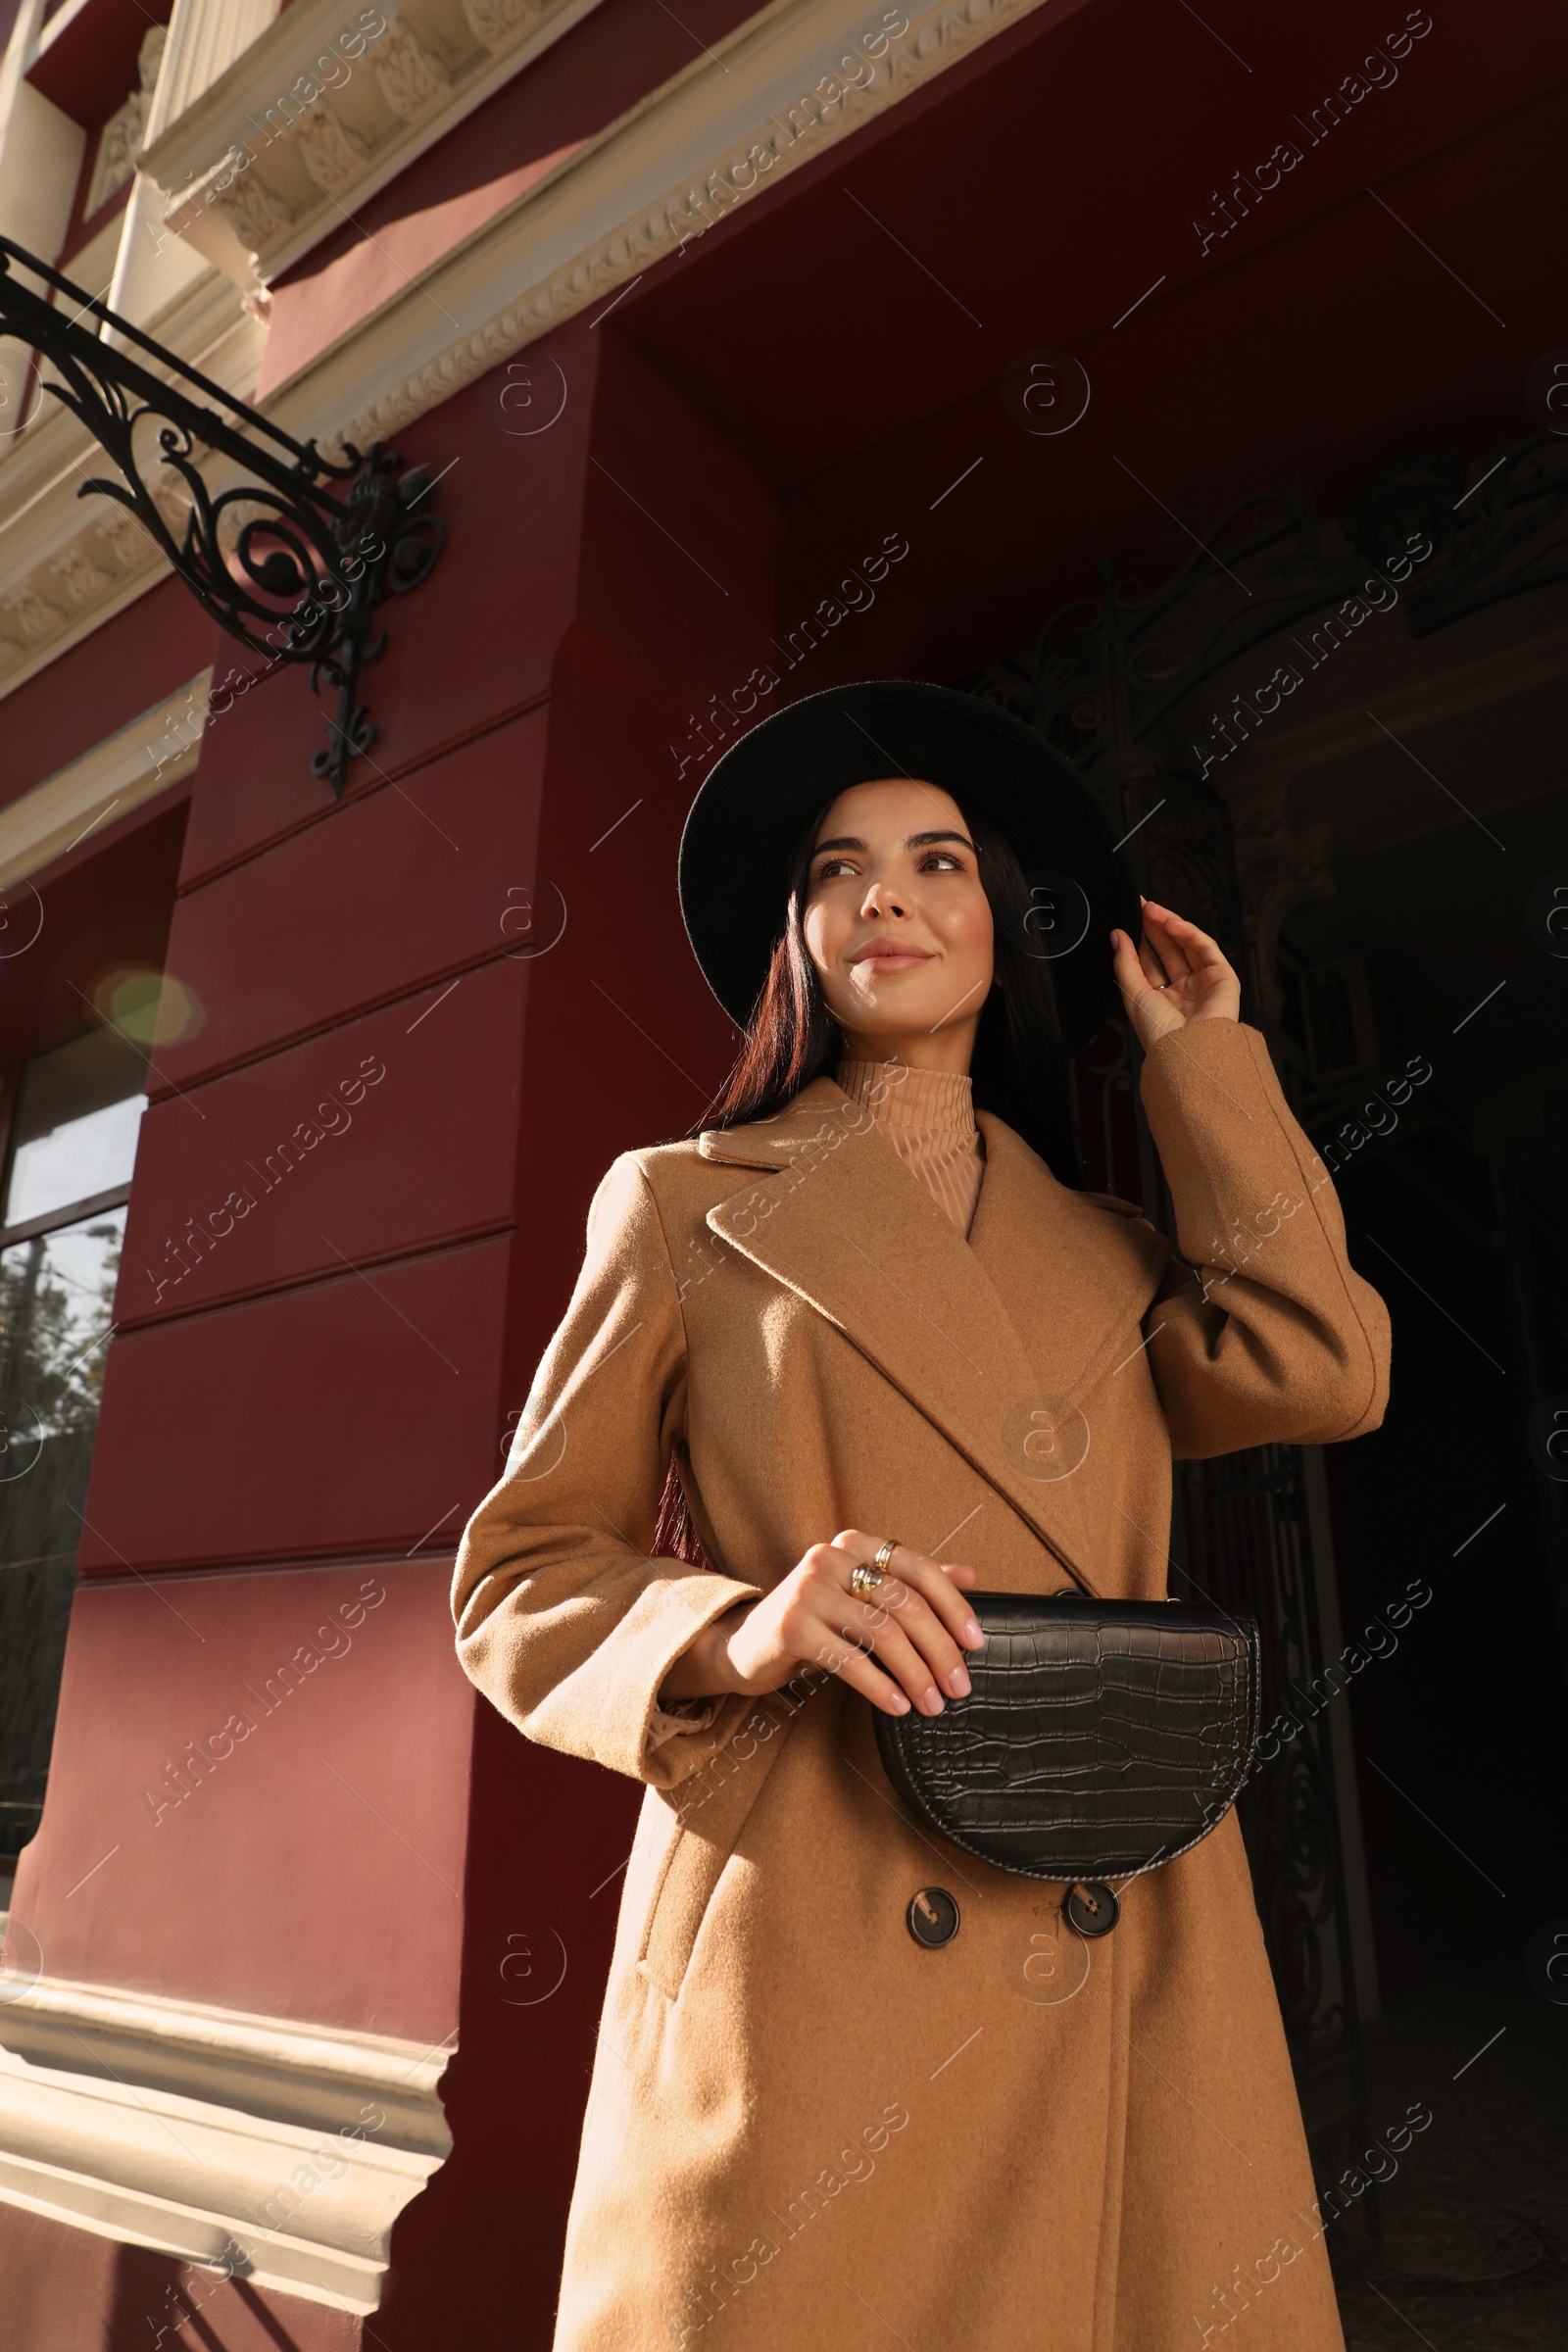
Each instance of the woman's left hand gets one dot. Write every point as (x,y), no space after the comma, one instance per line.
(1176,975)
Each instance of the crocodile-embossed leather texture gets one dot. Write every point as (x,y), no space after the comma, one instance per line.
(1099,1738)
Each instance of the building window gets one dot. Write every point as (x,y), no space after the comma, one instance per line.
(72,1116)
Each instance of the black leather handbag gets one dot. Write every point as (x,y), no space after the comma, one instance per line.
(1099,1740)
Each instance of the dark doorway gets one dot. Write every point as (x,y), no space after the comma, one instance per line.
(1438,967)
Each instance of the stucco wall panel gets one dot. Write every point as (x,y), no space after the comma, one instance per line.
(355,1414)
(380,1135)
(310,1907)
(409,881)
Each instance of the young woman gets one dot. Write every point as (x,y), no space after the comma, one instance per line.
(859,1350)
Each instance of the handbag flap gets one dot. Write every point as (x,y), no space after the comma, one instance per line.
(1099,1738)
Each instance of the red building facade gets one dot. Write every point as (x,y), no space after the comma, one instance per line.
(745,352)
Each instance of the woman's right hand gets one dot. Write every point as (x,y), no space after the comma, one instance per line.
(900,1647)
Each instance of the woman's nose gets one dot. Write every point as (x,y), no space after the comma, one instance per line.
(881,899)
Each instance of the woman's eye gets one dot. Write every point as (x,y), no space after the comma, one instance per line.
(942,861)
(831,868)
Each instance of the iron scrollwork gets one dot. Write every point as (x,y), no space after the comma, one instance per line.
(295,558)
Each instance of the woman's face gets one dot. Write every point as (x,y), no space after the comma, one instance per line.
(898,924)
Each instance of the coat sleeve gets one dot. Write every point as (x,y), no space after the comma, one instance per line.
(1266,1335)
(563,1618)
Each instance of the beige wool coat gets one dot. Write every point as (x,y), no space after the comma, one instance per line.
(806,2132)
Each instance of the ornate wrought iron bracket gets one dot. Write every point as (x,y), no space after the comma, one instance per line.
(297,557)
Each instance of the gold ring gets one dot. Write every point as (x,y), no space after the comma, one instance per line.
(863,1580)
(884,1557)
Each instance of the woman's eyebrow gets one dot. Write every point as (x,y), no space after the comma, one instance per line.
(917,841)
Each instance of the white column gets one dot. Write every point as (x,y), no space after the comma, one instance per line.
(40,162)
(205,37)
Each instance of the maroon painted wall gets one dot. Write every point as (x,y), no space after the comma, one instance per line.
(146,652)
(315,1367)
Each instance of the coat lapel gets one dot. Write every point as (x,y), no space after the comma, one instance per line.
(994,1340)
(1077,1278)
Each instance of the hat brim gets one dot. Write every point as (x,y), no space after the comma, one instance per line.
(751,811)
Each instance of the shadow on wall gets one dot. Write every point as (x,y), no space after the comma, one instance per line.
(161,2302)
(477,2256)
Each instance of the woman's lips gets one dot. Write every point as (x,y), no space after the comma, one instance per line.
(890,958)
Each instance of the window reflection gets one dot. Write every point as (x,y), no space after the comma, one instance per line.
(78,1110)
(56,1302)
(73,1140)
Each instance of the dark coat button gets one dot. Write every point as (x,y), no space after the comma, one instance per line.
(933,1918)
(1092,1908)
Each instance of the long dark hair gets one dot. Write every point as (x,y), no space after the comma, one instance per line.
(1018,1070)
(1019,1067)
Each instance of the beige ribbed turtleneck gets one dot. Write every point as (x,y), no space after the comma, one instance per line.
(928,1117)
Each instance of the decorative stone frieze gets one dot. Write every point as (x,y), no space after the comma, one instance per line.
(78,578)
(410,77)
(496,24)
(335,155)
(324,106)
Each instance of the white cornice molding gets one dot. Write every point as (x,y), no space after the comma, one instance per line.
(291,2072)
(135,764)
(767,98)
(260,166)
(284,2151)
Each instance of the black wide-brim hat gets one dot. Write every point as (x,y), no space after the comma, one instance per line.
(752,810)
